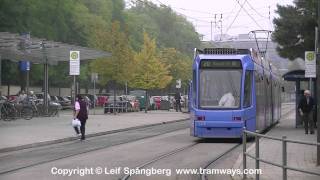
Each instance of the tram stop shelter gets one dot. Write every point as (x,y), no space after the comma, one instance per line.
(298,76)
(17,47)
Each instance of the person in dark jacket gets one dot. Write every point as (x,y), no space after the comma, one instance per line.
(177,98)
(81,113)
(305,108)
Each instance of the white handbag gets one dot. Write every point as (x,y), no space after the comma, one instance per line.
(76,123)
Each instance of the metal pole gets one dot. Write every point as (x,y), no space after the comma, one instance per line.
(77,88)
(244,141)
(115,99)
(94,95)
(310,86)
(127,96)
(27,88)
(0,79)
(284,158)
(45,67)
(211,30)
(45,98)
(257,156)
(317,84)
(298,118)
(74,90)
(221,29)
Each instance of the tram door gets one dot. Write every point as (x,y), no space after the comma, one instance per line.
(249,114)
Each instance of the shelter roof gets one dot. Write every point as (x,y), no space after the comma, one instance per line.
(16,48)
(295,75)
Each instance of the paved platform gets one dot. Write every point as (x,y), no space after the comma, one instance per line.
(20,133)
(298,155)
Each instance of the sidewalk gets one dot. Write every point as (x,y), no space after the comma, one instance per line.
(47,130)
(298,155)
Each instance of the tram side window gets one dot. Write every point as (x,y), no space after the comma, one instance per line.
(194,87)
(247,89)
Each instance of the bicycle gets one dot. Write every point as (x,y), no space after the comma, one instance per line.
(8,111)
(26,112)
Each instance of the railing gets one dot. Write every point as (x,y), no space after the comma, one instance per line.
(257,158)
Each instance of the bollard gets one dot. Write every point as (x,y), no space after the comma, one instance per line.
(257,155)
(284,158)
(244,144)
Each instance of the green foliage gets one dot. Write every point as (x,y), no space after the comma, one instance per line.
(36,74)
(180,65)
(9,69)
(162,23)
(117,67)
(294,29)
(150,72)
(106,25)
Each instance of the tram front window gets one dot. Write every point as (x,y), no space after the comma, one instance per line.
(220,88)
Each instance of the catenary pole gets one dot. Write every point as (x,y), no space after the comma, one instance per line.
(317,84)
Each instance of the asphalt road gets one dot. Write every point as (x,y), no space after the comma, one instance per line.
(113,154)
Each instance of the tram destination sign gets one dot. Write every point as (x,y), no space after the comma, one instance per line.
(220,64)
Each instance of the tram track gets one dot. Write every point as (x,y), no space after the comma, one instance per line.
(204,176)
(182,150)
(165,155)
(31,157)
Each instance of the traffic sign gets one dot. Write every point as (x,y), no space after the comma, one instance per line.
(310,64)
(74,62)
(178,85)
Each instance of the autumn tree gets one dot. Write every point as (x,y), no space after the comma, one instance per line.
(150,72)
(180,65)
(115,69)
(161,22)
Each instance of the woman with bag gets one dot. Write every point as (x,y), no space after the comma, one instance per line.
(80,113)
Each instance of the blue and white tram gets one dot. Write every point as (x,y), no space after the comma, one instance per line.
(232,89)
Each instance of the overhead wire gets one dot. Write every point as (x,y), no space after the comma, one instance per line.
(250,15)
(248,2)
(241,7)
(201,19)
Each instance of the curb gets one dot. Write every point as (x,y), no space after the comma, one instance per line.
(45,143)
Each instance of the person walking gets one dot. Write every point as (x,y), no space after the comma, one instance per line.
(305,108)
(81,113)
(177,98)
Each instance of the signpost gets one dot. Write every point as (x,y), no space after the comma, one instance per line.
(94,78)
(74,63)
(317,39)
(74,70)
(24,45)
(178,85)
(310,64)
(28,75)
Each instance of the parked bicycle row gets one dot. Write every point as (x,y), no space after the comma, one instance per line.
(26,107)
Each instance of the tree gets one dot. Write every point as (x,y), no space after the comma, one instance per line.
(180,65)
(117,67)
(294,29)
(150,72)
(162,23)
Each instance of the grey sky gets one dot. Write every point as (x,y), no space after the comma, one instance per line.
(202,12)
